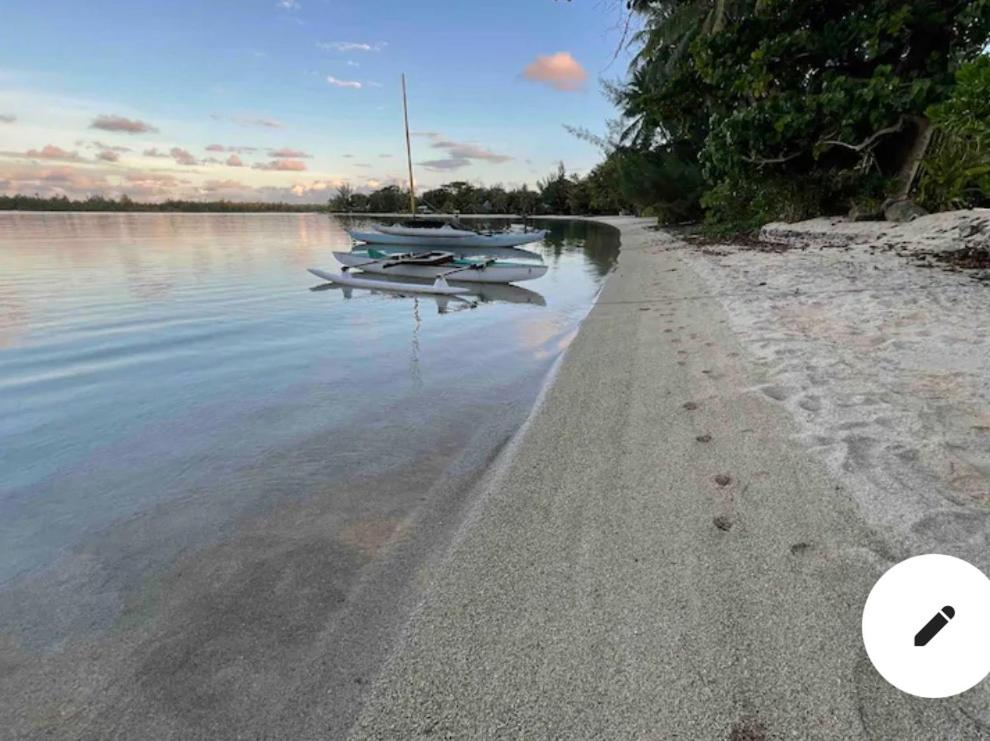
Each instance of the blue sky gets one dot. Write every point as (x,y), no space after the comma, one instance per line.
(301,95)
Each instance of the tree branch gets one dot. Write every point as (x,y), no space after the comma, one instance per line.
(868,142)
(772,161)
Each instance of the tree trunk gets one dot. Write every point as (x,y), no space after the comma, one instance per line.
(912,160)
(719,25)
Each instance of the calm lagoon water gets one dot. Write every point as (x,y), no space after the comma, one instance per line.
(170,383)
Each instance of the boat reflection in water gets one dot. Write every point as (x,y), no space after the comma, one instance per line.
(481,292)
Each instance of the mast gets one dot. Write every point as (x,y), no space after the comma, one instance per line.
(412,187)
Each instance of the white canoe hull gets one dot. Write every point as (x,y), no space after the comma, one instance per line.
(446,232)
(508,239)
(497,273)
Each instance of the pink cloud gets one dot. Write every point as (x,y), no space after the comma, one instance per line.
(154,152)
(459,154)
(211,186)
(108,155)
(121,124)
(51,152)
(235,150)
(182,157)
(286,153)
(560,71)
(158,178)
(54,181)
(234,161)
(282,165)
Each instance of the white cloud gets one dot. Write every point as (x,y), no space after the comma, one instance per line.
(352,46)
(264,123)
(353,84)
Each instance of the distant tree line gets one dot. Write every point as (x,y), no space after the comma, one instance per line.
(101,203)
(558,193)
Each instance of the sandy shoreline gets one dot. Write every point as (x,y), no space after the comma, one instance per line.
(683,541)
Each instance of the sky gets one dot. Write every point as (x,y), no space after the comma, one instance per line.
(288,99)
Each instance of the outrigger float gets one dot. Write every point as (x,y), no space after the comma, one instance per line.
(438,288)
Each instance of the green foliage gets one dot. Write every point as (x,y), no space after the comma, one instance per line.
(662,180)
(389,199)
(555,191)
(746,204)
(956,172)
(832,96)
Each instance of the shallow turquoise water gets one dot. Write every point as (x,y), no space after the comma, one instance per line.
(163,377)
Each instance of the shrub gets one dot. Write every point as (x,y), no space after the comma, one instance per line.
(747,203)
(956,170)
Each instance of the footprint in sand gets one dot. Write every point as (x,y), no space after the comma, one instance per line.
(777,393)
(723,479)
(953,526)
(722,522)
(800,549)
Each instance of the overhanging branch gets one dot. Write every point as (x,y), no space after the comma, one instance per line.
(772,160)
(868,142)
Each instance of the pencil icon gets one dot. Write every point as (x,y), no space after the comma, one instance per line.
(933,626)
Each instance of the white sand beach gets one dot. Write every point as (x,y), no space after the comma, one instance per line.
(882,357)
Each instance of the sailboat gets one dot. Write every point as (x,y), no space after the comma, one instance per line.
(383,256)
(434,232)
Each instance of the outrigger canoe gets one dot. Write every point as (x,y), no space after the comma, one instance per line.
(444,236)
(437,264)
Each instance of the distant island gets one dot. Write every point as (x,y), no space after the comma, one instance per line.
(559,193)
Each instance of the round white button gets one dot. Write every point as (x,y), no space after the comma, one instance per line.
(926,626)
